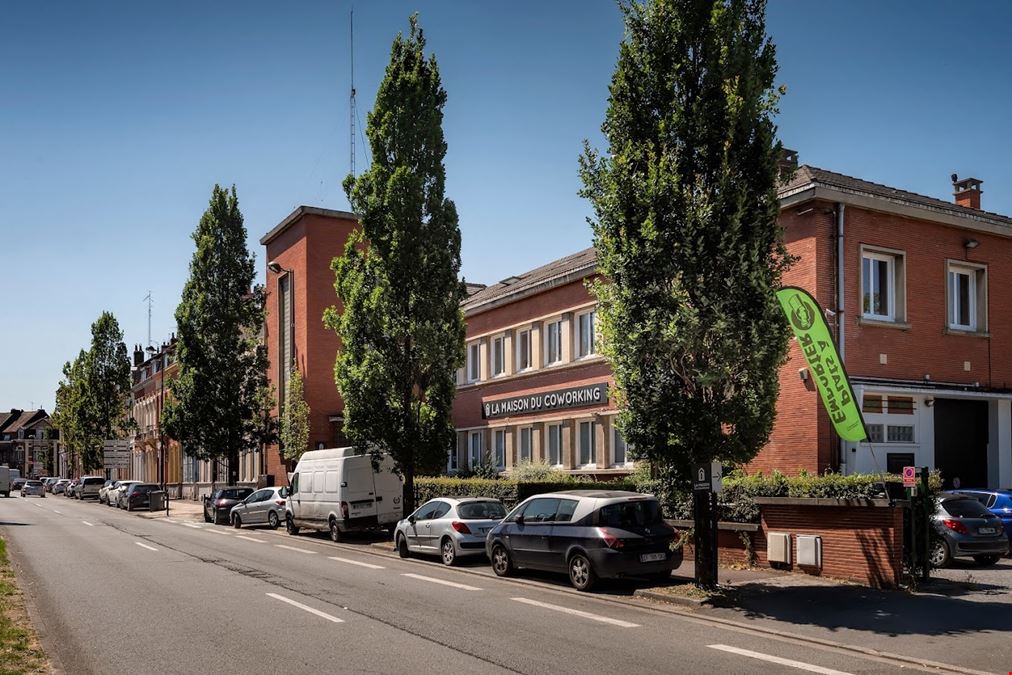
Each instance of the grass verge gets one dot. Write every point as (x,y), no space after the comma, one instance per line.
(19,645)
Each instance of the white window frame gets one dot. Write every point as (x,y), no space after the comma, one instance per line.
(453,461)
(580,338)
(474,362)
(520,444)
(520,334)
(499,446)
(977,276)
(550,342)
(473,460)
(615,435)
(498,356)
(549,428)
(890,260)
(593,444)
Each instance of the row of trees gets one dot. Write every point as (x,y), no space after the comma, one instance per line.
(92,397)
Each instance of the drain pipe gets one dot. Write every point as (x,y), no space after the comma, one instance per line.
(841,299)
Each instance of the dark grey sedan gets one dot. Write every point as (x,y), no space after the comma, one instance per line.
(964,527)
(218,505)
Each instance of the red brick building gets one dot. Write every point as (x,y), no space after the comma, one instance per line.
(300,286)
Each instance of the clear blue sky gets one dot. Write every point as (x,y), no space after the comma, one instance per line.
(117,117)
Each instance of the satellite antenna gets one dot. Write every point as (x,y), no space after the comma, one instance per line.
(353,111)
(148,299)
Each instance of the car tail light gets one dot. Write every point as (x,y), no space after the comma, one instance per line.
(221,502)
(610,539)
(344,510)
(460,527)
(955,526)
(279,502)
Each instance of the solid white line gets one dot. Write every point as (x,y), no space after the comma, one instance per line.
(776,659)
(360,564)
(214,531)
(576,612)
(463,587)
(150,548)
(317,612)
(243,536)
(196,527)
(292,548)
(87,523)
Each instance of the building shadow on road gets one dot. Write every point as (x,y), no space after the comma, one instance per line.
(4,523)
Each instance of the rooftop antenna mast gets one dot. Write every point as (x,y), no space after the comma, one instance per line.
(353,107)
(148,299)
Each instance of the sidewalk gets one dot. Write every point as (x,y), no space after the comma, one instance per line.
(179,509)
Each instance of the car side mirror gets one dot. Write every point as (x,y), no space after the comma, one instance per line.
(411,519)
(520,519)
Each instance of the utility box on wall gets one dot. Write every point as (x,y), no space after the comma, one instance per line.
(810,550)
(778,547)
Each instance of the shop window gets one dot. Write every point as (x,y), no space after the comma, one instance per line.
(452,461)
(500,448)
(554,433)
(474,448)
(588,443)
(525,444)
(901,405)
(620,450)
(900,433)
(872,403)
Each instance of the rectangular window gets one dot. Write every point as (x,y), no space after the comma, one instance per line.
(554,351)
(473,362)
(878,284)
(900,434)
(286,345)
(872,403)
(554,444)
(966,297)
(498,357)
(901,405)
(525,444)
(588,443)
(620,452)
(474,448)
(451,461)
(500,448)
(587,332)
(524,349)
(875,433)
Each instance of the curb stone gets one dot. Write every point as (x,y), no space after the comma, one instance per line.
(685,601)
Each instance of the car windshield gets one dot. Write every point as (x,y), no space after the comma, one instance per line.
(34,483)
(235,494)
(481,511)
(639,513)
(965,508)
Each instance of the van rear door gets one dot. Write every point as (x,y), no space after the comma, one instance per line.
(389,493)
(359,488)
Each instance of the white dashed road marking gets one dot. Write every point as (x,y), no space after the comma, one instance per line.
(776,659)
(463,587)
(292,548)
(306,608)
(150,548)
(87,523)
(360,564)
(576,612)
(242,536)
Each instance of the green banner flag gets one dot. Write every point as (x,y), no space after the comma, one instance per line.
(809,326)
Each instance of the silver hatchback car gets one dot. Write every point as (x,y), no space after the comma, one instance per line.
(264,507)
(449,526)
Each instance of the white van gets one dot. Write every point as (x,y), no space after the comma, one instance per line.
(337,490)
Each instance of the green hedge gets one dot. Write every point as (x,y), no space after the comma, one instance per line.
(511,492)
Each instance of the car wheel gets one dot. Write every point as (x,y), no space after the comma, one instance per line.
(273,520)
(448,552)
(402,546)
(129,506)
(290,526)
(986,560)
(501,563)
(236,521)
(335,531)
(581,574)
(940,555)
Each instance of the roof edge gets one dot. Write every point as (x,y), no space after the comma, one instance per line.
(544,285)
(300,212)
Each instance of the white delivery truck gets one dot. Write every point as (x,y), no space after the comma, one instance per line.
(5,481)
(338,490)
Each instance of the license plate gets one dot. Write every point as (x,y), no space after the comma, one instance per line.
(651,557)
(987,530)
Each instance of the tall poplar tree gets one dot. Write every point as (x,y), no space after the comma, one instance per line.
(221,399)
(295,417)
(399,318)
(107,389)
(686,231)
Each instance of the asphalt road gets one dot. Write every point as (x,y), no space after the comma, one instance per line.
(115,593)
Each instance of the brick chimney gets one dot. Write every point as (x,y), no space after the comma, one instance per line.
(138,355)
(967,191)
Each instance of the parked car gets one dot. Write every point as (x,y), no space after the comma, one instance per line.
(263,507)
(112,495)
(48,483)
(5,481)
(72,488)
(60,486)
(138,496)
(17,483)
(33,487)
(339,490)
(450,527)
(104,490)
(998,502)
(591,534)
(88,487)
(218,504)
(965,528)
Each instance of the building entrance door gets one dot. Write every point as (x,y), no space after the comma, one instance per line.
(961,437)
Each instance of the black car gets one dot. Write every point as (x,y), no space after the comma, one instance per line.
(17,484)
(138,496)
(218,504)
(590,534)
